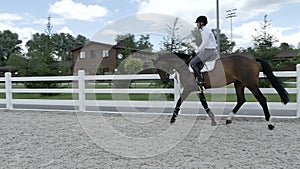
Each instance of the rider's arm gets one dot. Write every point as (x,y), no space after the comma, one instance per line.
(205,40)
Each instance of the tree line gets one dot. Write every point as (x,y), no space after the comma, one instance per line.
(46,55)
(50,54)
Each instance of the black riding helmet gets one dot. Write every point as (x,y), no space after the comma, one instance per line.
(202,19)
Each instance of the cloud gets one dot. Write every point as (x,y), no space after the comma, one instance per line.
(243,34)
(24,33)
(66,30)
(106,35)
(292,38)
(10,17)
(244,24)
(152,24)
(54,21)
(190,9)
(184,9)
(77,11)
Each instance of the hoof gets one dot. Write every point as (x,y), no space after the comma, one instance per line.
(271,127)
(172,121)
(213,123)
(228,121)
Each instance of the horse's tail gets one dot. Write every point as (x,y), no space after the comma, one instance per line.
(267,70)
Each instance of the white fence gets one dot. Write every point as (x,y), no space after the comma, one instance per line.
(80,89)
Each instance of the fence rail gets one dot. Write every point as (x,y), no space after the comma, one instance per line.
(81,90)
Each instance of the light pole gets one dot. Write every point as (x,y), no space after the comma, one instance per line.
(231,14)
(218,27)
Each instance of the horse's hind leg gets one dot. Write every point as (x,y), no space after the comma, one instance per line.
(207,109)
(263,102)
(239,90)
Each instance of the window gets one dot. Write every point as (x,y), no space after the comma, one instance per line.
(82,55)
(106,69)
(105,53)
(93,53)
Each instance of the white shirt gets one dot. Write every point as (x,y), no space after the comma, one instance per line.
(208,40)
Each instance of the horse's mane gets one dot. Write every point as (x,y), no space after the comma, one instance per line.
(185,57)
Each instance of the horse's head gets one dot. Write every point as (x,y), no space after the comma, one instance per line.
(167,62)
(164,76)
(162,68)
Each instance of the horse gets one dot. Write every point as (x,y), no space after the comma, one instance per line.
(241,70)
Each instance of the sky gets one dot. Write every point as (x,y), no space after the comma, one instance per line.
(102,20)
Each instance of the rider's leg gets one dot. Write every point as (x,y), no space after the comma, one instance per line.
(197,65)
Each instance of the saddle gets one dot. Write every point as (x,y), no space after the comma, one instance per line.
(208,66)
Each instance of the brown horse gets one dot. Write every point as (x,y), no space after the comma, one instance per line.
(242,70)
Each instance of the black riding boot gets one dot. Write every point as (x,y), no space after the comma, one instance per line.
(197,73)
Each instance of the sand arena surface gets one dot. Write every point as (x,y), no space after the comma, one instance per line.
(33,139)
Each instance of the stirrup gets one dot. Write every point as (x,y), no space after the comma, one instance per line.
(200,83)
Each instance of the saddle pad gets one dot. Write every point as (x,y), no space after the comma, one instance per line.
(208,66)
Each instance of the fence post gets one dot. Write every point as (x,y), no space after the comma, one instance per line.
(8,91)
(176,87)
(81,90)
(298,90)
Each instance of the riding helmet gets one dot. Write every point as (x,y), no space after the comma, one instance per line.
(202,19)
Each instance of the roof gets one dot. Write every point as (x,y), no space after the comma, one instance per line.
(7,68)
(79,47)
(288,54)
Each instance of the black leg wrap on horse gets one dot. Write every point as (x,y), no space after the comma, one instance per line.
(175,114)
(211,116)
(176,111)
(210,113)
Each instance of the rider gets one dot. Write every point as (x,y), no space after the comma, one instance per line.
(207,51)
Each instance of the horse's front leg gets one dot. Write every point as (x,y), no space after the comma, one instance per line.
(205,106)
(184,95)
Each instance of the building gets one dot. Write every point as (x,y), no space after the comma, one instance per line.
(8,68)
(100,58)
(93,56)
(289,59)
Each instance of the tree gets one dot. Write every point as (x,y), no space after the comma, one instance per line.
(48,56)
(226,46)
(63,44)
(285,46)
(128,45)
(51,55)
(173,42)
(42,59)
(144,42)
(243,50)
(19,62)
(133,65)
(264,41)
(263,46)
(49,27)
(9,44)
